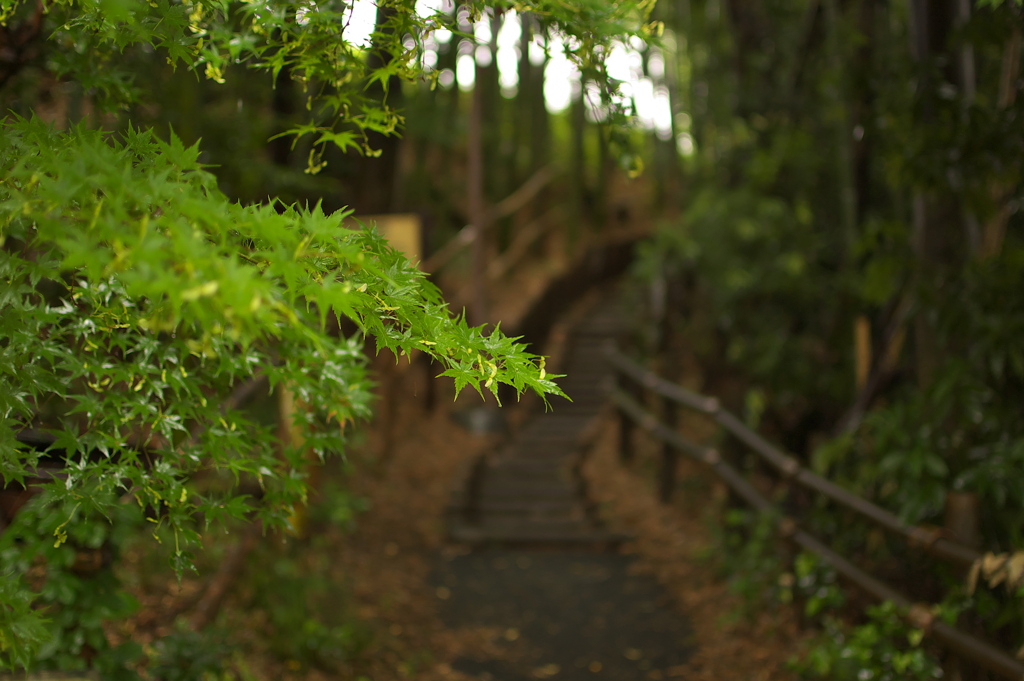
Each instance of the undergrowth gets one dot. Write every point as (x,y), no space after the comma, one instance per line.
(877,645)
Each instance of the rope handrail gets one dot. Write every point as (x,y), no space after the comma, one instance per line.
(930,540)
(920,615)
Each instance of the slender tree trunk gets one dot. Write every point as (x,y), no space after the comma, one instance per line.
(446,153)
(477,209)
(377,175)
(666,159)
(540,144)
(929,22)
(522,104)
(995,228)
(491,114)
(968,85)
(843,138)
(577,166)
(863,112)
(604,161)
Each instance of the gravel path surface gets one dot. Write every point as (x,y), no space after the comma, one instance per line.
(570,616)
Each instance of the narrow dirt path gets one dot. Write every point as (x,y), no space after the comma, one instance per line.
(575,616)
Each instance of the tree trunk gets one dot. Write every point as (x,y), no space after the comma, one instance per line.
(863,112)
(375,193)
(930,21)
(477,208)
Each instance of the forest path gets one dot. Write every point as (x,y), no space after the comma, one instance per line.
(576,616)
(543,572)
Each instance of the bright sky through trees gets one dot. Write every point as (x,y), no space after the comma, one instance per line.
(625,63)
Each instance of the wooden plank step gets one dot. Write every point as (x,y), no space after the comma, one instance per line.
(552,444)
(533,509)
(537,444)
(559,526)
(544,448)
(542,506)
(489,517)
(510,462)
(528,495)
(540,453)
(584,538)
(500,485)
(502,480)
(529,474)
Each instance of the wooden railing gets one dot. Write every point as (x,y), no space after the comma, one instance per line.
(632,379)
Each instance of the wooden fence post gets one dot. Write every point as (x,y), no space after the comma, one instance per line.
(669,455)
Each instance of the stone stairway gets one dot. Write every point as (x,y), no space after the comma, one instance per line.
(530,491)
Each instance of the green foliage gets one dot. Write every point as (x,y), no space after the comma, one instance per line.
(186,655)
(136,297)
(309,43)
(750,558)
(761,265)
(306,613)
(163,295)
(960,431)
(911,471)
(828,191)
(336,507)
(22,630)
(882,649)
(75,595)
(1003,607)
(815,581)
